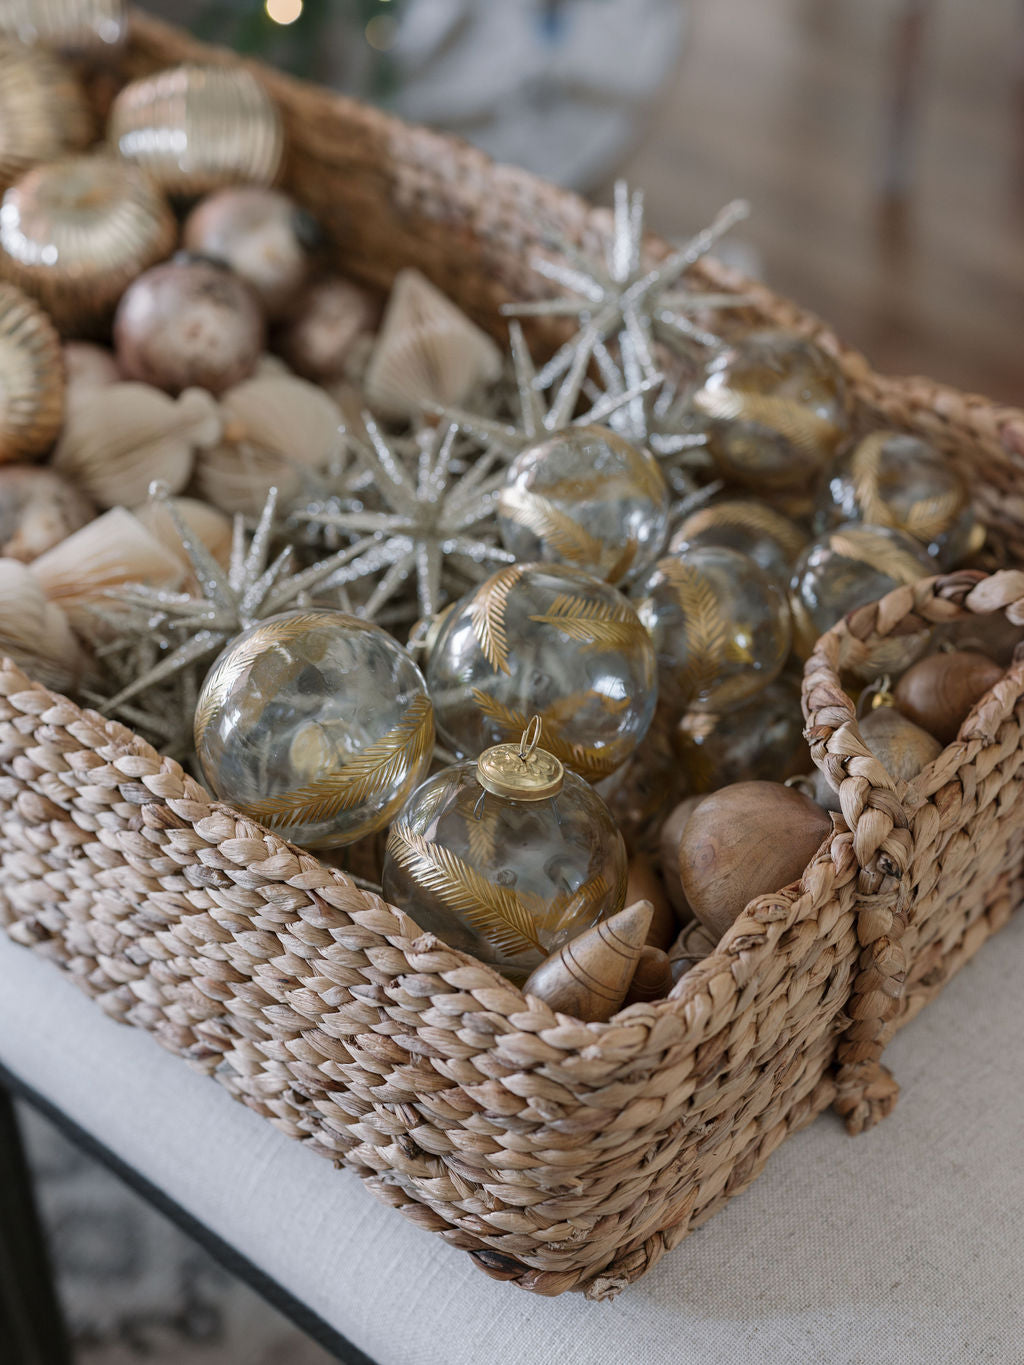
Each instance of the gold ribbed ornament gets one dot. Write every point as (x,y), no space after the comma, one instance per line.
(31,377)
(75,233)
(74,26)
(43,112)
(197,128)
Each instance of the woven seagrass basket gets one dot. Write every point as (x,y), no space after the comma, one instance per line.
(560,1155)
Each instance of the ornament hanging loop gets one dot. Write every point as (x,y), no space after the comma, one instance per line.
(530,738)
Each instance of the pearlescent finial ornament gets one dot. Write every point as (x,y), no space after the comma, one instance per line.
(585,496)
(891,479)
(316,724)
(720,626)
(622,290)
(776,408)
(506,858)
(552,641)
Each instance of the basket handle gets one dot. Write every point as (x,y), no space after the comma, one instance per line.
(873,806)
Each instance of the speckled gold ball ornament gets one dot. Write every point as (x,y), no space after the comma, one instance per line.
(776,407)
(75,233)
(770,539)
(78,27)
(848,568)
(43,112)
(547,640)
(316,724)
(890,479)
(763,739)
(198,128)
(720,626)
(586,496)
(506,858)
(31,377)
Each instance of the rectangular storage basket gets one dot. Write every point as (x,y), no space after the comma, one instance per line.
(560,1155)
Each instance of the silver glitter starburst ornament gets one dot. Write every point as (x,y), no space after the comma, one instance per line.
(623,291)
(541,414)
(156,635)
(436,528)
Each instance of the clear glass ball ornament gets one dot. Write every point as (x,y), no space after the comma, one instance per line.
(761,740)
(888,478)
(506,858)
(848,568)
(775,406)
(586,496)
(720,626)
(316,724)
(547,640)
(771,540)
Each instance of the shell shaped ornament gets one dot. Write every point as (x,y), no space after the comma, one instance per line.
(547,640)
(586,496)
(506,858)
(75,233)
(891,479)
(31,377)
(720,625)
(316,724)
(198,128)
(848,568)
(775,405)
(43,112)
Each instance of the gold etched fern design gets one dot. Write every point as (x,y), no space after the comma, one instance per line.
(801,426)
(585,759)
(487,616)
(233,665)
(924,519)
(708,644)
(506,918)
(877,553)
(596,624)
(362,779)
(551,525)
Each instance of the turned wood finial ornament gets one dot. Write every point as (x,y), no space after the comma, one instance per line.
(589,976)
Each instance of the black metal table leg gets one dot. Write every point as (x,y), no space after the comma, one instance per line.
(32,1328)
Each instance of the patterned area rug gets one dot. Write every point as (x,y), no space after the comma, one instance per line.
(134,1288)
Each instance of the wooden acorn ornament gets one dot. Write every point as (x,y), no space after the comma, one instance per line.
(902,748)
(743,841)
(668,855)
(652,979)
(589,976)
(644,884)
(938,692)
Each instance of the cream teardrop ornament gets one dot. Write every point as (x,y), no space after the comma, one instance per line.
(427,351)
(117,440)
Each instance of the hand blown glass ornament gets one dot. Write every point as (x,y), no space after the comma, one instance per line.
(586,497)
(770,539)
(776,409)
(43,111)
(317,724)
(720,626)
(506,858)
(890,479)
(848,568)
(546,640)
(762,739)
(31,377)
(623,291)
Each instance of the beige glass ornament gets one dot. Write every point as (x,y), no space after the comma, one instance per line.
(850,567)
(315,723)
(888,478)
(548,640)
(77,27)
(507,857)
(75,233)
(776,407)
(31,377)
(720,626)
(197,128)
(586,496)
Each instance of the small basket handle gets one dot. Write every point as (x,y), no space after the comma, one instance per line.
(873,806)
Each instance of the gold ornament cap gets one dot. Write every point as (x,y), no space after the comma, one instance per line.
(521,772)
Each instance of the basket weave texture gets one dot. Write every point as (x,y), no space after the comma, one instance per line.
(560,1155)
